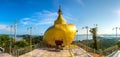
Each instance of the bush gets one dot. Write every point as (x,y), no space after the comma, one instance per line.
(5,42)
(118,43)
(22,43)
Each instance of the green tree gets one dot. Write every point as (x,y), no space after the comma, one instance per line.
(22,43)
(35,39)
(118,43)
(94,35)
(5,42)
(26,37)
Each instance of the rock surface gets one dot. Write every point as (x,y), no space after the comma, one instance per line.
(5,55)
(52,53)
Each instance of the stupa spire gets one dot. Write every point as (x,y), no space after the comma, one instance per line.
(60,19)
(60,10)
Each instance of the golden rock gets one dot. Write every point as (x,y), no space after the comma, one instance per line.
(60,31)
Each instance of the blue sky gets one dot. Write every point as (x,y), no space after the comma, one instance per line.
(40,14)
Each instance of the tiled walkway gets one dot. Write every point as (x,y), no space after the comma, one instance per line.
(47,53)
(5,55)
(115,54)
(79,52)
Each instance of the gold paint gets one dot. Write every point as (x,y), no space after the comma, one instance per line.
(60,31)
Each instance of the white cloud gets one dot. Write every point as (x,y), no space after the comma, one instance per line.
(25,19)
(4,28)
(80,2)
(43,18)
(40,18)
(117,11)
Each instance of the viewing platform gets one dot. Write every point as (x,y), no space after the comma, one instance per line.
(51,52)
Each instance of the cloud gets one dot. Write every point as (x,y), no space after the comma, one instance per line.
(43,18)
(25,21)
(4,29)
(46,17)
(80,2)
(40,18)
(118,12)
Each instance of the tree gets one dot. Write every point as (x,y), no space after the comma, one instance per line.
(94,34)
(26,37)
(5,42)
(118,43)
(35,39)
(22,43)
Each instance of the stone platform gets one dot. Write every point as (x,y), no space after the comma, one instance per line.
(78,52)
(51,52)
(5,55)
(47,53)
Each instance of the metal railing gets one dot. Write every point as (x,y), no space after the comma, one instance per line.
(99,52)
(110,50)
(24,50)
(91,51)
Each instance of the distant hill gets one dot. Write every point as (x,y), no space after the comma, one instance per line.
(103,42)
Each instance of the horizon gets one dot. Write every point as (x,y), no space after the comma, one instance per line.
(76,34)
(40,14)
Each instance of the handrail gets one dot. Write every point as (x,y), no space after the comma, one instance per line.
(110,50)
(24,50)
(104,52)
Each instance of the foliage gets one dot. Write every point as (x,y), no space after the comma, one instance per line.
(118,43)
(104,42)
(26,37)
(35,39)
(22,43)
(94,33)
(5,42)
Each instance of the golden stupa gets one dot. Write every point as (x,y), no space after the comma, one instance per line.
(60,31)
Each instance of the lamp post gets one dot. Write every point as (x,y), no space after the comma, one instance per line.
(15,29)
(30,28)
(77,37)
(15,26)
(10,27)
(87,28)
(116,30)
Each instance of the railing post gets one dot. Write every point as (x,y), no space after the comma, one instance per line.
(100,55)
(94,53)
(17,53)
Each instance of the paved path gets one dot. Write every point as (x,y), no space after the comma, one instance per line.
(47,53)
(5,55)
(79,52)
(115,54)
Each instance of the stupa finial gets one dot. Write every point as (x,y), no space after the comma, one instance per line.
(60,10)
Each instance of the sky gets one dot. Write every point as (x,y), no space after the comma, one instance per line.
(41,14)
